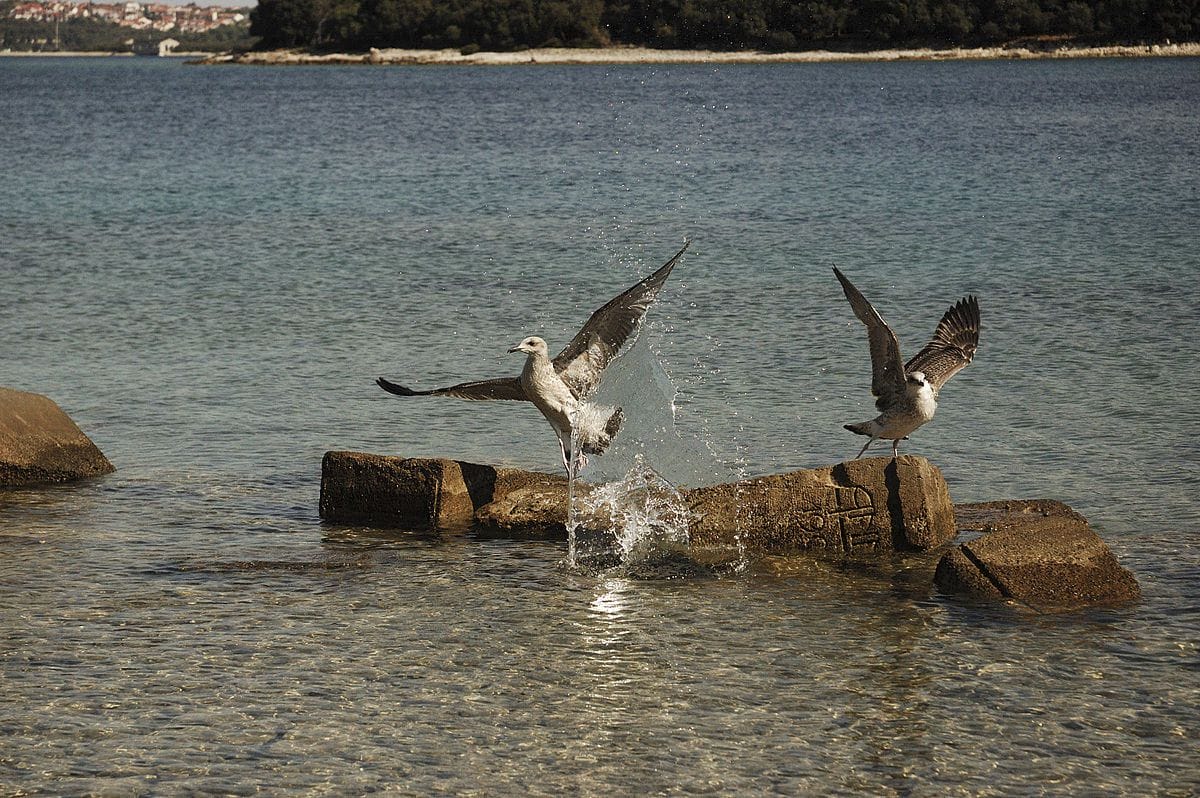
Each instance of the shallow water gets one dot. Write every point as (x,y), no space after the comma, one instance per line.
(207,268)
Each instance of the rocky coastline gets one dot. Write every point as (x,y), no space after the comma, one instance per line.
(643,55)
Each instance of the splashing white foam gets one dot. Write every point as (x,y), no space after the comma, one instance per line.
(643,516)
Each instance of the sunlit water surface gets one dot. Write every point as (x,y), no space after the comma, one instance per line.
(207,268)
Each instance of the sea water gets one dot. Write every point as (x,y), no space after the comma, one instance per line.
(208,267)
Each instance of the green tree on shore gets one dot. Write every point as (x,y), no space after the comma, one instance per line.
(715,24)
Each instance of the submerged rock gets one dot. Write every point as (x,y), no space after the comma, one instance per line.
(1039,553)
(39,443)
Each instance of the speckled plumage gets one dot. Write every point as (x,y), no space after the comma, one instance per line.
(560,388)
(907,393)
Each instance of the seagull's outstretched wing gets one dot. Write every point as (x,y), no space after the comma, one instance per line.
(953,345)
(887,368)
(584,359)
(500,388)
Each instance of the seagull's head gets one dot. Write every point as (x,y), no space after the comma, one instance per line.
(916,379)
(532,346)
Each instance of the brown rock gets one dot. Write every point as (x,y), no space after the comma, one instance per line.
(957,573)
(991,516)
(39,443)
(533,513)
(1040,553)
(872,505)
(876,505)
(414,492)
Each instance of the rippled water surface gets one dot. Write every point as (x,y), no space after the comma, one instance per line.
(208,267)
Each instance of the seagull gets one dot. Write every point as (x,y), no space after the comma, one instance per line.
(906,393)
(560,388)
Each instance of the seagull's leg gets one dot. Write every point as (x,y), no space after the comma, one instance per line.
(864,448)
(572,457)
(565,457)
(895,447)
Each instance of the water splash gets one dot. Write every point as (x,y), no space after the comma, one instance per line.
(625,507)
(640,519)
(573,508)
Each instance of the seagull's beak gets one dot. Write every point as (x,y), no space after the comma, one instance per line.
(516,348)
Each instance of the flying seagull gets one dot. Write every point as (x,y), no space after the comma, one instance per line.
(906,393)
(560,388)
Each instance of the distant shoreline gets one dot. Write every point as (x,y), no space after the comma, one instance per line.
(97,54)
(644,55)
(64,54)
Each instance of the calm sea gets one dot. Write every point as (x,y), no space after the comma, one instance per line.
(208,267)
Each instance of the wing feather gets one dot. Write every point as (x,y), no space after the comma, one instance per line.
(887,367)
(508,388)
(583,360)
(953,345)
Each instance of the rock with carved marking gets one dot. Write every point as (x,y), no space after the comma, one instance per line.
(1038,553)
(872,505)
(40,444)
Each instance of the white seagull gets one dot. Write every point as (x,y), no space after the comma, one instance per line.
(907,392)
(560,388)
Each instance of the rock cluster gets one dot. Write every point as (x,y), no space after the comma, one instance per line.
(40,444)
(878,504)
(1040,554)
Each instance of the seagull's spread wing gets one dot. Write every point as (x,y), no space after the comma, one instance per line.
(887,369)
(500,388)
(953,345)
(584,359)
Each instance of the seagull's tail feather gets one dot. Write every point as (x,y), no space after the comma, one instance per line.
(597,425)
(860,429)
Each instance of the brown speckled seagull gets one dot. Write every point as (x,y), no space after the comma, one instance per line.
(907,393)
(560,388)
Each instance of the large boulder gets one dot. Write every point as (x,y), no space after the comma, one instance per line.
(873,505)
(39,443)
(1038,553)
